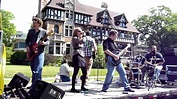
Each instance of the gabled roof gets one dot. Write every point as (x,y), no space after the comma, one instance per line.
(100,14)
(59,4)
(21,36)
(118,18)
(92,11)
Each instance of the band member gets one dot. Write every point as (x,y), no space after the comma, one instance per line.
(109,47)
(155,59)
(89,47)
(78,58)
(34,36)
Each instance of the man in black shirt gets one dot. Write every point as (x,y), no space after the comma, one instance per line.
(109,48)
(155,59)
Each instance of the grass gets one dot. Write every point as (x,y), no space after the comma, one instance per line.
(48,71)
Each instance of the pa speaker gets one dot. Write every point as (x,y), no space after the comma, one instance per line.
(44,90)
(19,80)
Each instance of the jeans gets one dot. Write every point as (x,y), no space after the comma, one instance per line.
(64,78)
(36,67)
(157,71)
(110,73)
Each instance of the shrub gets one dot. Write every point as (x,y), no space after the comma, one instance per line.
(9,53)
(19,58)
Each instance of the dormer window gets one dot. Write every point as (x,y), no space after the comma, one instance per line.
(69,14)
(103,17)
(121,21)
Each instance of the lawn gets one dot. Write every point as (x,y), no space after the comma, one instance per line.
(48,71)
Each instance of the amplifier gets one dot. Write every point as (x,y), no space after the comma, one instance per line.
(19,80)
(44,90)
(171,72)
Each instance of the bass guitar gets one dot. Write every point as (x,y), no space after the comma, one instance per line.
(34,47)
(114,62)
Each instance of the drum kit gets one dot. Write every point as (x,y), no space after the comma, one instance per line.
(139,74)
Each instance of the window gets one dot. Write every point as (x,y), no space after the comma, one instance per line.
(122,22)
(51,49)
(67,14)
(22,45)
(56,29)
(67,48)
(68,30)
(57,50)
(76,18)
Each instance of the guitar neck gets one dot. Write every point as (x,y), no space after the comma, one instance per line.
(122,52)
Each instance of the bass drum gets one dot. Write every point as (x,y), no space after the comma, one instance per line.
(133,75)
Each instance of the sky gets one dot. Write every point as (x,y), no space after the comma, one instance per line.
(23,10)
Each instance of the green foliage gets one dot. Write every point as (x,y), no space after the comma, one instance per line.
(19,58)
(0,21)
(9,53)
(100,58)
(57,63)
(8,28)
(159,27)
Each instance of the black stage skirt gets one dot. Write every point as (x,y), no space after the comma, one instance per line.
(79,61)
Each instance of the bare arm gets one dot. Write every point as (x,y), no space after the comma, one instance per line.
(111,54)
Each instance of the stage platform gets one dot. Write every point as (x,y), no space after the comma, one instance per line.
(115,91)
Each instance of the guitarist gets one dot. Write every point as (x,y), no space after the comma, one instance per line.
(34,36)
(155,59)
(109,47)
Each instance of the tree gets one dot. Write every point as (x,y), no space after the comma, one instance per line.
(159,27)
(100,58)
(9,29)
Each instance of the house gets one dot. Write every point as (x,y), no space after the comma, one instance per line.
(64,15)
(19,43)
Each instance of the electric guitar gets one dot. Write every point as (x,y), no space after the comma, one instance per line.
(116,62)
(34,47)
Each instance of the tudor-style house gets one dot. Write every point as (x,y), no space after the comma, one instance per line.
(64,15)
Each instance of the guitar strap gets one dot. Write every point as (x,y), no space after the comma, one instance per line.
(40,35)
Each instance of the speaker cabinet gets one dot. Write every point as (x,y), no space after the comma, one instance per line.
(19,80)
(171,71)
(44,90)
(170,60)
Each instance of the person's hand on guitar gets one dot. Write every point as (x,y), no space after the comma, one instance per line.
(116,57)
(41,43)
(27,49)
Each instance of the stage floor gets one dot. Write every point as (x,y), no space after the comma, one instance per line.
(114,92)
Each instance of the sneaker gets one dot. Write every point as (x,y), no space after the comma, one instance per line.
(104,90)
(74,90)
(84,89)
(129,89)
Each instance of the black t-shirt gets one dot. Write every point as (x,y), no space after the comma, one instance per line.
(154,58)
(109,44)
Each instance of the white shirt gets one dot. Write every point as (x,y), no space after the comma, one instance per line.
(65,70)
